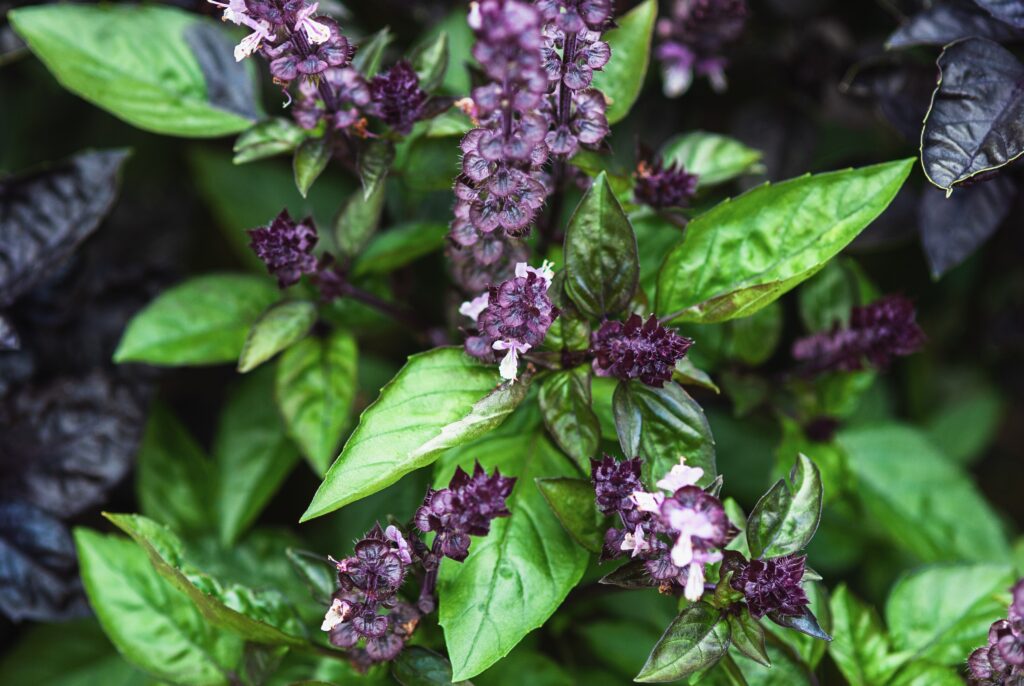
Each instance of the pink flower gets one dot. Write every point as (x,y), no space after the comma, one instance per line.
(316,32)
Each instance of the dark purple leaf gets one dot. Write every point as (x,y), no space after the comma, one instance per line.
(229,85)
(8,336)
(631,575)
(805,623)
(65,443)
(901,90)
(1010,11)
(945,23)
(976,123)
(38,578)
(45,214)
(953,228)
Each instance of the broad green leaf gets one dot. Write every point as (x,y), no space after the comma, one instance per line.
(543,670)
(746,252)
(661,425)
(359,219)
(565,406)
(152,624)
(944,632)
(278,328)
(310,160)
(440,399)
(748,636)
(371,52)
(252,453)
(267,138)
(517,575)
(623,77)
(695,640)
(202,321)
(786,517)
(158,68)
(315,387)
(926,674)
(572,501)
(713,157)
(417,666)
(174,477)
(257,616)
(859,645)
(430,61)
(925,504)
(601,264)
(968,424)
(398,246)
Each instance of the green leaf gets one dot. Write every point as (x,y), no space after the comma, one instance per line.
(697,639)
(746,252)
(751,340)
(430,61)
(151,623)
(661,425)
(944,632)
(318,575)
(257,616)
(400,245)
(518,575)
(686,373)
(968,424)
(622,78)
(278,328)
(375,161)
(830,296)
(174,476)
(924,503)
(417,666)
(316,384)
(925,674)
(602,268)
(713,157)
(310,160)
(252,453)
(440,399)
(565,406)
(748,636)
(809,648)
(371,52)
(202,321)
(860,648)
(267,138)
(785,518)
(358,220)
(172,73)
(543,670)
(572,501)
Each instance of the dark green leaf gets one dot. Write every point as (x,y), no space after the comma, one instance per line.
(280,326)
(202,321)
(860,647)
(310,160)
(623,77)
(751,340)
(602,268)
(175,77)
(687,374)
(374,163)
(829,296)
(713,157)
(400,245)
(442,398)
(430,61)
(371,52)
(318,574)
(695,640)
(748,636)
(358,220)
(661,425)
(565,406)
(267,138)
(809,647)
(417,666)
(746,252)
(572,501)
(786,517)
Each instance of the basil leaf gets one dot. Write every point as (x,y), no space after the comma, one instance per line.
(202,321)
(440,399)
(400,245)
(713,157)
(746,252)
(695,640)
(785,518)
(860,647)
(1008,11)
(430,61)
(572,501)
(281,325)
(661,425)
(267,138)
(602,268)
(316,384)
(748,636)
(417,666)
(371,52)
(359,219)
(309,161)
(565,406)
(622,78)
(176,77)
(944,23)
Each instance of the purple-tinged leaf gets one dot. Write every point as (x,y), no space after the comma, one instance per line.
(1009,11)
(942,24)
(900,89)
(8,336)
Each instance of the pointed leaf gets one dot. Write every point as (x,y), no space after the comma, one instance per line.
(278,327)
(267,138)
(697,639)
(785,518)
(946,22)
(623,77)
(1009,11)
(713,157)
(860,648)
(310,160)
(359,219)
(565,406)
(417,666)
(400,245)
(430,61)
(371,52)
(572,501)
(748,636)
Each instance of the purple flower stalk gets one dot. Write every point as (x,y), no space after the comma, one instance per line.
(637,350)
(693,38)
(769,586)
(286,247)
(876,334)
(396,97)
(1001,661)
(513,317)
(661,187)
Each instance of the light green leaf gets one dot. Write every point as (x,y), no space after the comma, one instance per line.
(713,157)
(695,640)
(430,60)
(202,321)
(278,328)
(784,520)
(359,219)
(440,399)
(371,52)
(310,160)
(316,384)
(158,68)
(688,374)
(398,246)
(623,77)
(859,645)
(565,405)
(267,138)
(746,252)
(572,501)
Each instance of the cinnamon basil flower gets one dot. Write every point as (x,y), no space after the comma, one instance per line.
(1001,661)
(659,187)
(615,482)
(396,97)
(769,586)
(637,350)
(286,247)
(693,38)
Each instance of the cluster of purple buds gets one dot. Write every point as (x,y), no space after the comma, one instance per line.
(286,247)
(693,38)
(637,350)
(572,52)
(511,318)
(877,333)
(769,587)
(677,530)
(396,97)
(662,187)
(1001,661)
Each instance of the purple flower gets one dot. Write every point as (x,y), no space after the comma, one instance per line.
(396,97)
(286,247)
(464,509)
(615,483)
(876,333)
(693,37)
(660,187)
(769,586)
(637,350)
(513,317)
(1001,661)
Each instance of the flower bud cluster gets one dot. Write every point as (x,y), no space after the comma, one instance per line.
(637,350)
(693,38)
(1001,661)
